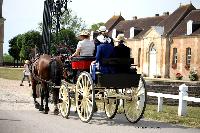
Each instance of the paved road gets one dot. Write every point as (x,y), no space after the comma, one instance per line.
(18,115)
(31,121)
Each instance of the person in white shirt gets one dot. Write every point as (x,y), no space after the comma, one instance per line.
(26,73)
(85,47)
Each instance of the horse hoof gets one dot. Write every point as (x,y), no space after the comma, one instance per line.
(37,105)
(41,108)
(56,111)
(46,112)
(46,109)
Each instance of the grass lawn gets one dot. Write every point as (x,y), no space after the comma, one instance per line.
(11,73)
(170,115)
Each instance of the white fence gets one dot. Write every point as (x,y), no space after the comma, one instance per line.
(182,97)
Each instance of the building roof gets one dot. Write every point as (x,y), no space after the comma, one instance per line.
(175,18)
(143,23)
(113,21)
(181,29)
(174,24)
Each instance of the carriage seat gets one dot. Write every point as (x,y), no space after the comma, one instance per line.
(123,77)
(82,62)
(120,65)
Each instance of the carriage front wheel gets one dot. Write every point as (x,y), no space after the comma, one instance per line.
(85,96)
(65,104)
(135,105)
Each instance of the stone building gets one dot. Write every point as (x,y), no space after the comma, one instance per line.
(165,44)
(1,33)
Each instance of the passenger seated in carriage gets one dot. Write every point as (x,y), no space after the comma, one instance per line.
(103,33)
(104,50)
(122,51)
(82,57)
(85,47)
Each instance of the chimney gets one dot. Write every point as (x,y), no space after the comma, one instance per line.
(134,17)
(156,14)
(165,13)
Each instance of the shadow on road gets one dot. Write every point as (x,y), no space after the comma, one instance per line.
(100,118)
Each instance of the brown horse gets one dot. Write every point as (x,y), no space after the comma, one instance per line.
(47,71)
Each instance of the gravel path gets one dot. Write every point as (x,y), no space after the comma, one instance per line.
(15,97)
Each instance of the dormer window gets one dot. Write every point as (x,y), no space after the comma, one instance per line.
(189,27)
(132,32)
(114,33)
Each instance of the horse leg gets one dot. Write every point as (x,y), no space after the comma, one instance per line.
(55,100)
(46,91)
(41,108)
(37,105)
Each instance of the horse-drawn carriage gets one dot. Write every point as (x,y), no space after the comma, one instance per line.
(125,89)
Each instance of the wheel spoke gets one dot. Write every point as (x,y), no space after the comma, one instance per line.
(134,108)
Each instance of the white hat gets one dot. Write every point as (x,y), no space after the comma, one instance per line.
(102,29)
(120,37)
(27,61)
(85,33)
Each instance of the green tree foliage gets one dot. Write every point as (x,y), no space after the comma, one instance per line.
(65,38)
(72,22)
(14,49)
(95,27)
(7,58)
(22,45)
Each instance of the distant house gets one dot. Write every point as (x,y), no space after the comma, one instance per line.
(1,33)
(162,45)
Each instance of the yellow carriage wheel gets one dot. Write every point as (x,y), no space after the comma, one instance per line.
(85,97)
(65,104)
(111,103)
(135,105)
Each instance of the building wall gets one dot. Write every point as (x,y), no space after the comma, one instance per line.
(152,39)
(181,43)
(1,33)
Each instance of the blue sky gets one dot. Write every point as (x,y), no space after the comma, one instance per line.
(24,15)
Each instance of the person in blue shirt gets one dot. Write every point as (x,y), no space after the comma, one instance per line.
(104,50)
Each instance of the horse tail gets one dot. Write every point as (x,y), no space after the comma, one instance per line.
(56,71)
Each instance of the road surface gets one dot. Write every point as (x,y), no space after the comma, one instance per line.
(18,115)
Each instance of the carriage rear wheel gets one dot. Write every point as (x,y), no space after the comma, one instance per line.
(85,97)
(111,103)
(64,106)
(134,107)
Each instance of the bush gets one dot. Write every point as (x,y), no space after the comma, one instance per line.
(179,76)
(193,75)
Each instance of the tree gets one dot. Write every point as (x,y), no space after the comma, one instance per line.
(30,41)
(7,58)
(14,49)
(71,21)
(66,38)
(95,27)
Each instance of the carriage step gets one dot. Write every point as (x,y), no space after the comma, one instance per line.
(118,96)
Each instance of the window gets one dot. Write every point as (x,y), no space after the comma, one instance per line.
(188,56)
(139,54)
(132,32)
(175,56)
(189,27)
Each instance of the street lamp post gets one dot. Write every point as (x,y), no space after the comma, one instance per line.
(53,10)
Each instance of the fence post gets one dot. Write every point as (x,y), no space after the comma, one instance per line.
(182,107)
(160,103)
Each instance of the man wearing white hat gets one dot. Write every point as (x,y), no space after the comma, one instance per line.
(102,38)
